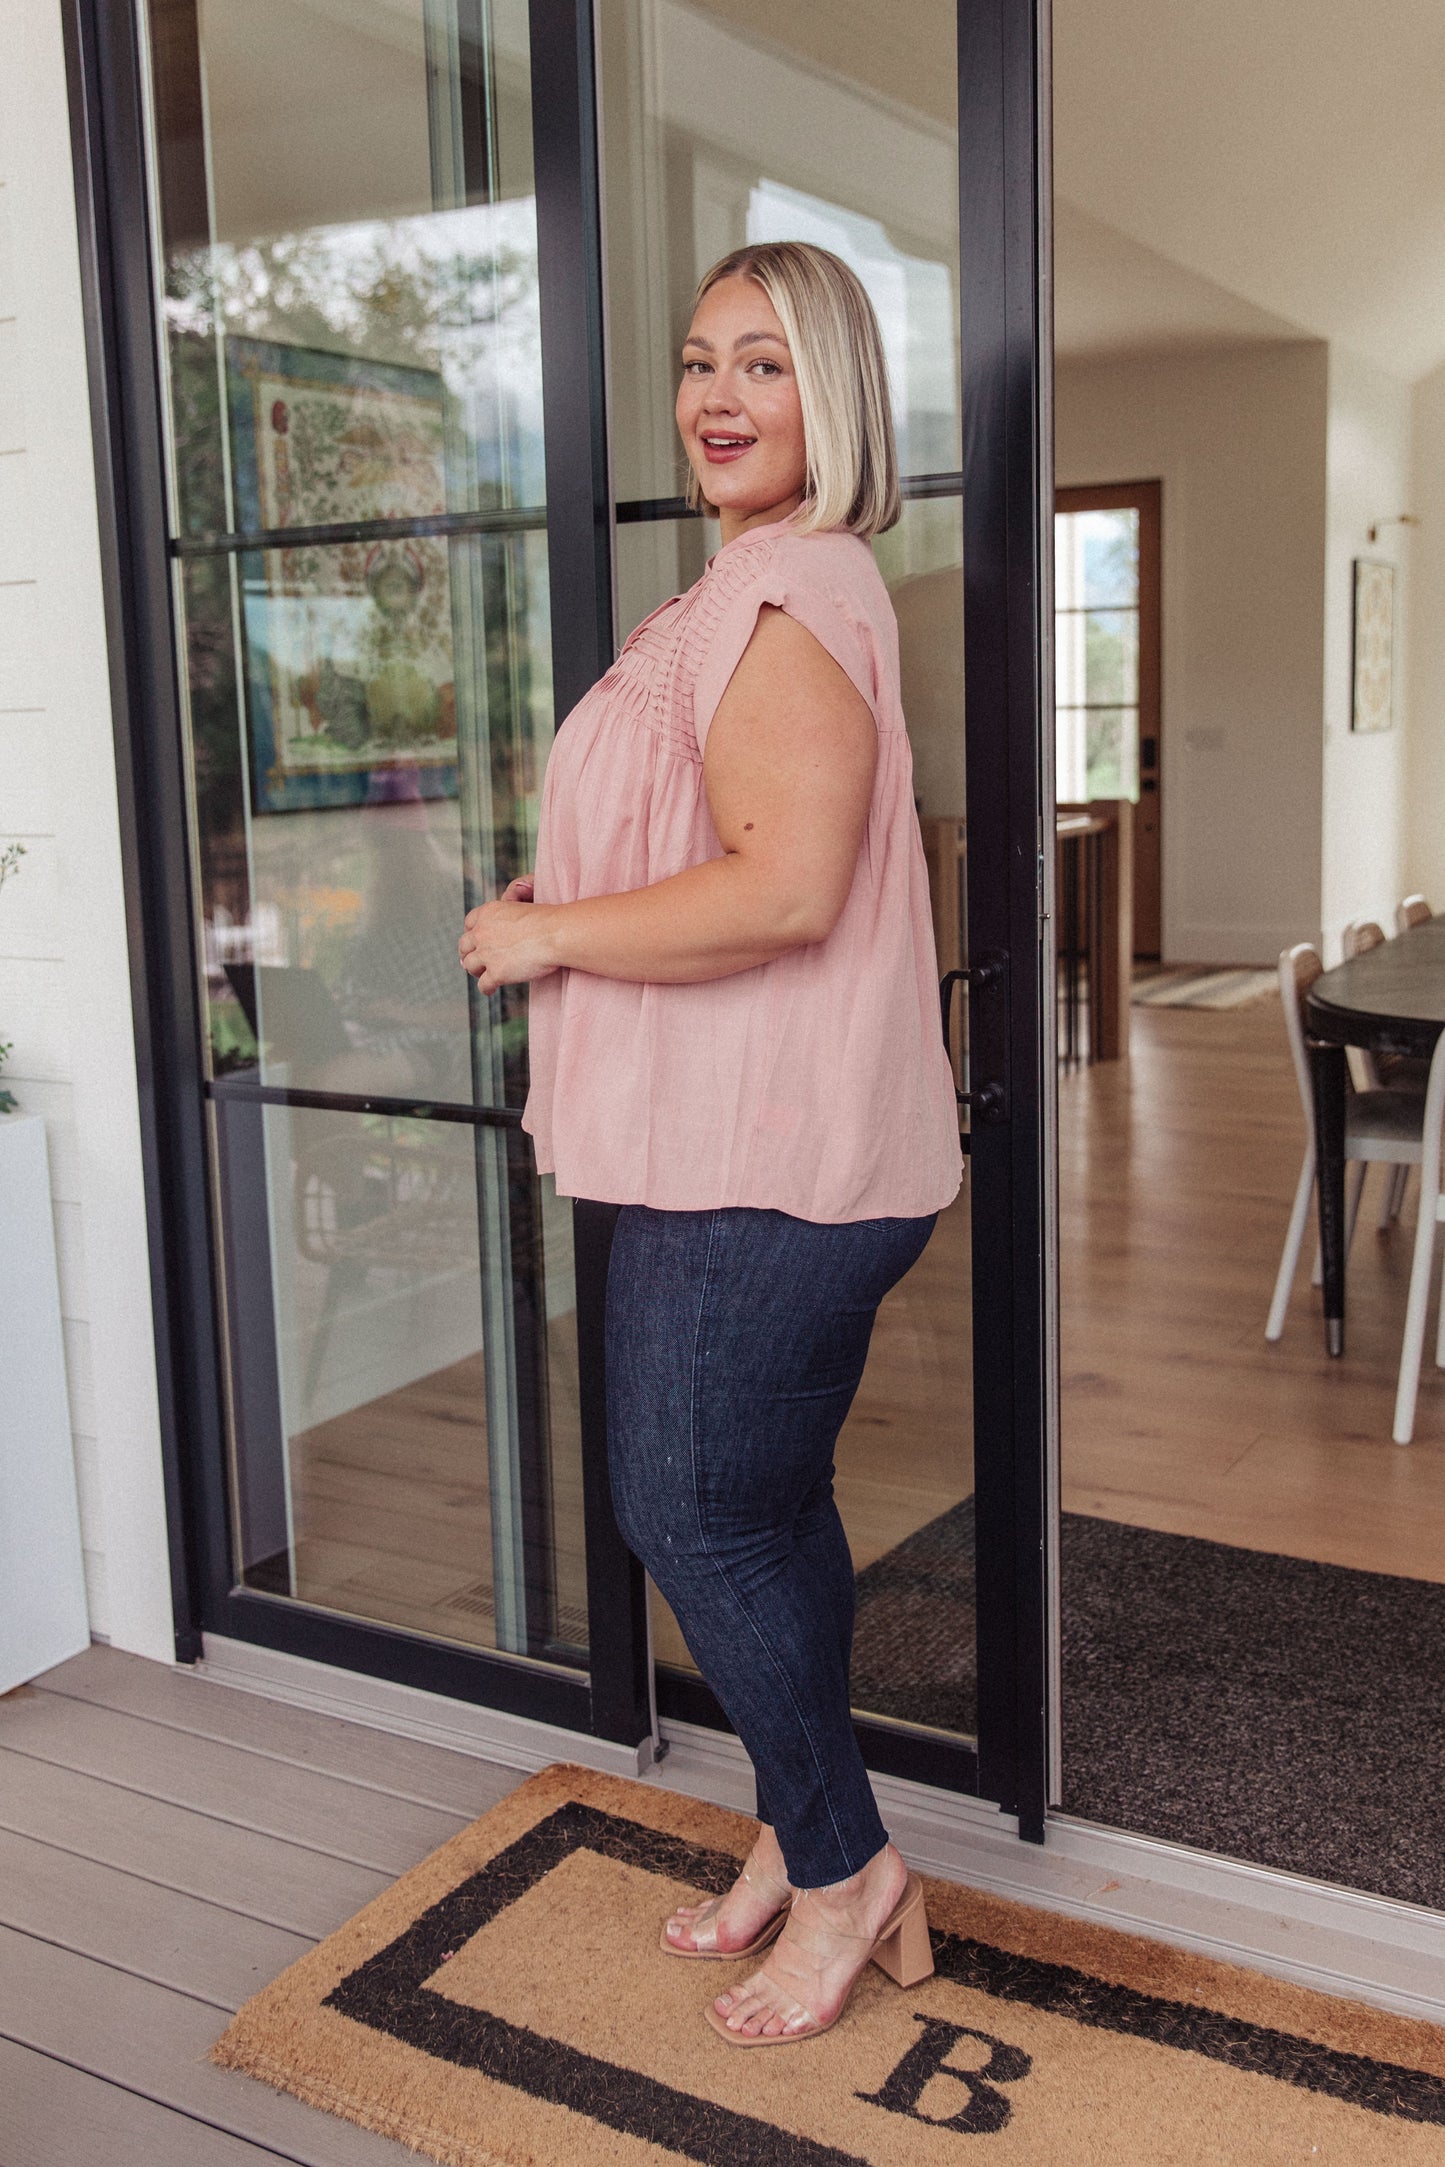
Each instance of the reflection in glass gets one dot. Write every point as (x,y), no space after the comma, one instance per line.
(348,238)
(387,226)
(358,790)
(831,131)
(370,1479)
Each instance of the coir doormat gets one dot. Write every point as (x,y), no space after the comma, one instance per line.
(507,2001)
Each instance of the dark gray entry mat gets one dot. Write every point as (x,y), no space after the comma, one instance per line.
(1270,1708)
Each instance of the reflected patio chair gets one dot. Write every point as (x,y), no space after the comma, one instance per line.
(1432,1211)
(1415,910)
(1382,1127)
(389,1200)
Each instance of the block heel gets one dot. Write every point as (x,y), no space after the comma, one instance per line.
(904,1949)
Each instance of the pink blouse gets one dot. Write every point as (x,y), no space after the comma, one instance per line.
(816,1084)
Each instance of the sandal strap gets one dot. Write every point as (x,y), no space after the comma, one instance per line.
(839,1933)
(703,1928)
(767,1885)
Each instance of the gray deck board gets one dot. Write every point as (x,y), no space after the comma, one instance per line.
(159,1934)
(431,1775)
(154,2042)
(54,2116)
(167,1845)
(262,1877)
(227,1783)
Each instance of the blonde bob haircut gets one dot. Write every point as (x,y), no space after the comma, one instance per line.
(833,337)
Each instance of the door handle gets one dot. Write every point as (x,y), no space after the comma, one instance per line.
(987,980)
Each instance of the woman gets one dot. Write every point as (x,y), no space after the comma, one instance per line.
(735,1037)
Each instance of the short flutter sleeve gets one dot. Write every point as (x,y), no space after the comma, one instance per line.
(816,1084)
(814,578)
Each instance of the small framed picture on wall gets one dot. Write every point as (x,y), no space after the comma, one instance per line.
(1374,646)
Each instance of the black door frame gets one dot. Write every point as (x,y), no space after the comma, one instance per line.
(1005,484)
(1007,488)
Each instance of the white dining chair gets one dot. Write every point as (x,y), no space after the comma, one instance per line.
(1381,1127)
(1358,938)
(1432,1211)
(1415,910)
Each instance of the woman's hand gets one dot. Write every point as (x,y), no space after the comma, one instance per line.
(505,943)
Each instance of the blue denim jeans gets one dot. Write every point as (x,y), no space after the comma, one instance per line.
(735,1343)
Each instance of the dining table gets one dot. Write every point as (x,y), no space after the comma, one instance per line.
(1390,1001)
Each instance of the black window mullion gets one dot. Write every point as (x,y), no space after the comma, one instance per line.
(579,558)
(518,519)
(569,258)
(1007,539)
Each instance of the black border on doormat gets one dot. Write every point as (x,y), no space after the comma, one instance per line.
(388,1994)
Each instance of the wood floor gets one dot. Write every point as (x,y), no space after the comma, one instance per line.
(391,1501)
(1176,1175)
(167,1846)
(392,1505)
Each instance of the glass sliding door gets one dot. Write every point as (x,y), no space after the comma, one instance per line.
(352,346)
(841,131)
(413,480)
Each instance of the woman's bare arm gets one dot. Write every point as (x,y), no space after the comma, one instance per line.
(788,767)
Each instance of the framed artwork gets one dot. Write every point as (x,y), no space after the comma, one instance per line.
(1374,646)
(350,679)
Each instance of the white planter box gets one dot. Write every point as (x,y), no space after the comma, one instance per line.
(43,1616)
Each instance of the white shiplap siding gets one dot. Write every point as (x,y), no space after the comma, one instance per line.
(64,985)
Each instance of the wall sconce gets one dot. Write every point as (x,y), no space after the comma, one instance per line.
(1401,519)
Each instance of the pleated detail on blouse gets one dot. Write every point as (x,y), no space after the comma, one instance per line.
(816,1084)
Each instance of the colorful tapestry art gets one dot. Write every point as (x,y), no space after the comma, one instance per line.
(349,667)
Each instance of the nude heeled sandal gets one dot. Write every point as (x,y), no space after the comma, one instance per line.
(902,1949)
(706,1921)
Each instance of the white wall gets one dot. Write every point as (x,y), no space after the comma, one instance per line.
(1368,480)
(1424,864)
(1237,438)
(64,985)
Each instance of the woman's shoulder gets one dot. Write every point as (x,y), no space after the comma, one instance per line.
(835,562)
(781,561)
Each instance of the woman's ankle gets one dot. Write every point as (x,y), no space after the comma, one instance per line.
(886,1865)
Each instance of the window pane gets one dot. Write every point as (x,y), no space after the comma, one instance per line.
(1096,559)
(827,133)
(381,236)
(1098,753)
(368,769)
(349,247)
(1096,654)
(376,1420)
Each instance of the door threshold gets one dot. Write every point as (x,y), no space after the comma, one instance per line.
(1337,1941)
(408,1711)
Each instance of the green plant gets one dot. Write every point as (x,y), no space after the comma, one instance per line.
(9,860)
